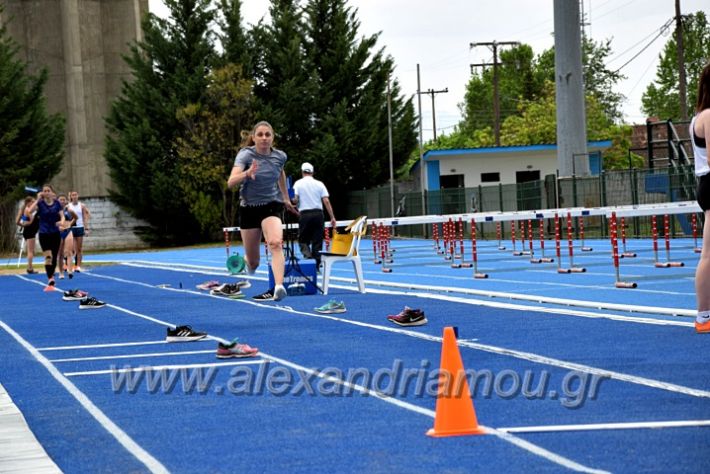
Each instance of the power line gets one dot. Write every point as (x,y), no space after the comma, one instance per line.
(662,31)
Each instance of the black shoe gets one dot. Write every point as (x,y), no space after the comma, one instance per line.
(268,295)
(74,295)
(184,334)
(230,290)
(409,317)
(31,271)
(91,303)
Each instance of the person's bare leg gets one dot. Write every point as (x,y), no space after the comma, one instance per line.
(30,253)
(702,279)
(78,250)
(273,232)
(251,239)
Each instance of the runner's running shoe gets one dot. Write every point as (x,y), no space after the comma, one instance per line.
(50,285)
(91,303)
(409,317)
(230,290)
(331,307)
(274,294)
(74,295)
(208,285)
(702,327)
(235,350)
(184,334)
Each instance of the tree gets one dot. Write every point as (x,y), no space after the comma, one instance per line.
(31,140)
(169,70)
(211,142)
(237,44)
(283,83)
(350,123)
(661,98)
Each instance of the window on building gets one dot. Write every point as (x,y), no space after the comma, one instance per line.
(451,181)
(490,177)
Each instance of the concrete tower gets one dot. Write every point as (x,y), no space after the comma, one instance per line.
(80,42)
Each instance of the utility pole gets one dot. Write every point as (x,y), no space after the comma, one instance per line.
(681,62)
(432,92)
(389,138)
(496,101)
(422,171)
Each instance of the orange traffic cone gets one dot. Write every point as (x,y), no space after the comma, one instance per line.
(455,415)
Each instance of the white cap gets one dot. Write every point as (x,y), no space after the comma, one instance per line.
(307,167)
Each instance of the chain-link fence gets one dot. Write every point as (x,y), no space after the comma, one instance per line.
(611,188)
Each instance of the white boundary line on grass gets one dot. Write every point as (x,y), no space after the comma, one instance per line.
(114,430)
(528,356)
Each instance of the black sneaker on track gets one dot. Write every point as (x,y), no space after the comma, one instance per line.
(268,295)
(91,303)
(409,317)
(230,290)
(74,295)
(184,334)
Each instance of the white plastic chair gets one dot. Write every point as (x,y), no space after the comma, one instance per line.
(358,228)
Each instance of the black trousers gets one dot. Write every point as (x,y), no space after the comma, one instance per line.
(310,233)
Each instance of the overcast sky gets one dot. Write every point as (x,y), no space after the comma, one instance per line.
(437,34)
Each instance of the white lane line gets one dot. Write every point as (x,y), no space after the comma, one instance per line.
(131,356)
(518,442)
(121,436)
(100,346)
(494,304)
(528,356)
(607,426)
(513,296)
(144,368)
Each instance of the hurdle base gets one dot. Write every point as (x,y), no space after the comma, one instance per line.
(675,264)
(389,260)
(564,270)
(578,270)
(625,284)
(467,265)
(386,270)
(377,262)
(587,249)
(455,265)
(480,275)
(501,247)
(447,257)
(662,265)
(535,260)
(628,255)
(517,253)
(547,260)
(697,250)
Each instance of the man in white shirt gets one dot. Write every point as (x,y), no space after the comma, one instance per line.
(311,195)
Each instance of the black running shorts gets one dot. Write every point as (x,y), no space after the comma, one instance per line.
(250,217)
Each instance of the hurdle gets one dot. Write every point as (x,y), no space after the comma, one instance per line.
(625,254)
(512,239)
(474,252)
(382,244)
(570,245)
(558,250)
(694,220)
(581,234)
(542,259)
(615,254)
(667,232)
(499,234)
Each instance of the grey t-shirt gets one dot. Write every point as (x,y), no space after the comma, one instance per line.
(265,187)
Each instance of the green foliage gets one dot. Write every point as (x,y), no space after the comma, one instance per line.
(662,98)
(169,70)
(207,150)
(31,140)
(350,142)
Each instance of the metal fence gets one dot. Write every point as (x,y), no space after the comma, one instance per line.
(611,188)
